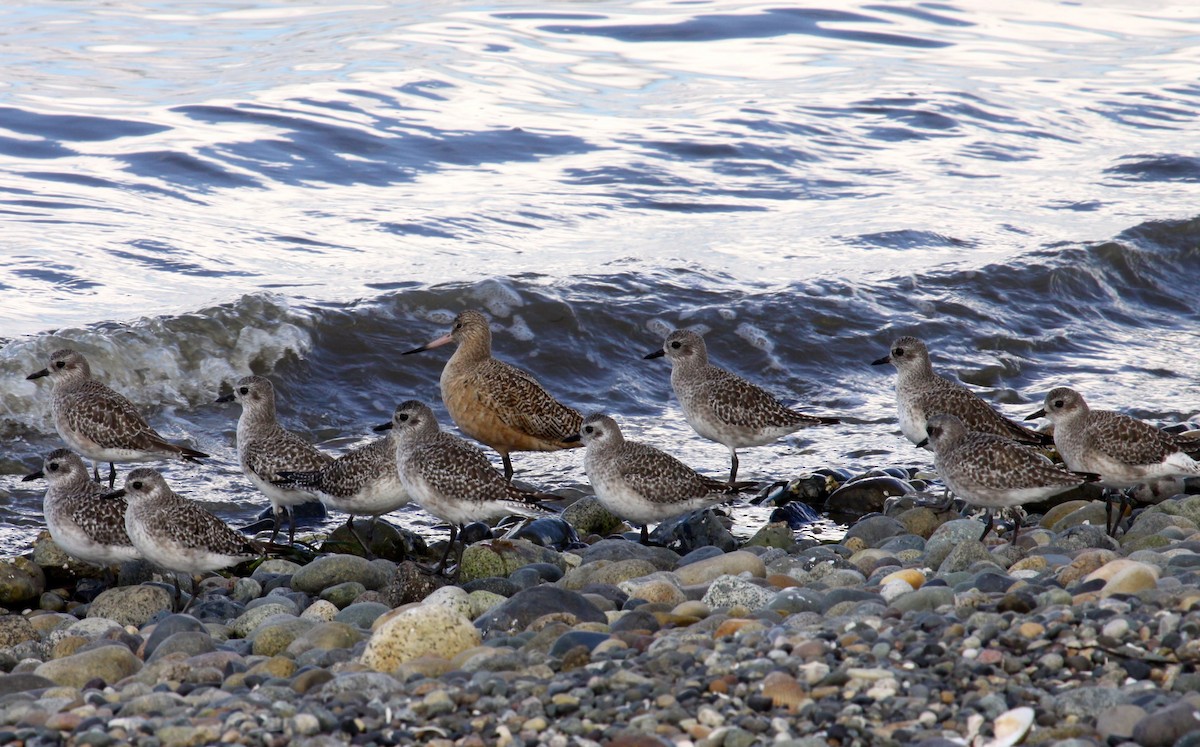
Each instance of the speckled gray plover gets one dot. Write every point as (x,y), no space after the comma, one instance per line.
(80,522)
(638,482)
(921,393)
(363,481)
(991,471)
(450,477)
(100,424)
(266,449)
(722,406)
(177,534)
(495,403)
(1124,451)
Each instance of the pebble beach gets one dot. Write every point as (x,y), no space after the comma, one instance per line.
(907,631)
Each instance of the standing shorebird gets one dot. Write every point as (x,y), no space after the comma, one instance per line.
(639,483)
(266,449)
(177,534)
(1124,451)
(722,406)
(83,525)
(100,424)
(450,477)
(992,472)
(363,481)
(497,404)
(921,393)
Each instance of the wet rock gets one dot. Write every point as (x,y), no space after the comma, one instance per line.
(575,638)
(107,663)
(698,529)
(775,534)
(383,541)
(924,521)
(332,570)
(589,516)
(516,613)
(132,605)
(21,580)
(549,531)
(793,515)
(1120,721)
(419,631)
(56,564)
(866,495)
(502,557)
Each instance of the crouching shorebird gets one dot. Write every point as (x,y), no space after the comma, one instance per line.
(1124,451)
(992,472)
(363,481)
(495,403)
(450,477)
(722,406)
(177,534)
(80,522)
(97,422)
(638,482)
(266,450)
(922,393)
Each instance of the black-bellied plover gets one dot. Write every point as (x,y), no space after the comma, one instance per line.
(495,403)
(638,482)
(100,424)
(80,522)
(363,481)
(450,477)
(722,406)
(177,534)
(992,472)
(921,393)
(1124,451)
(266,449)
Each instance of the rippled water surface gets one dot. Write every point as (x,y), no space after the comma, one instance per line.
(194,191)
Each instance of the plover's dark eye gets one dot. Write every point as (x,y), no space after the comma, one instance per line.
(402,417)
(137,485)
(589,429)
(54,466)
(676,345)
(898,352)
(60,364)
(244,390)
(1058,404)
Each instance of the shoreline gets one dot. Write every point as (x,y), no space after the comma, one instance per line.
(906,631)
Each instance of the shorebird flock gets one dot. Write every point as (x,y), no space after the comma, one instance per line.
(983,457)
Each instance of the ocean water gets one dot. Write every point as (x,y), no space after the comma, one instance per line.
(196,191)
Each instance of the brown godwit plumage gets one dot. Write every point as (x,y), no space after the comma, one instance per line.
(495,403)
